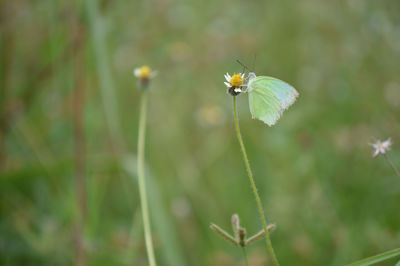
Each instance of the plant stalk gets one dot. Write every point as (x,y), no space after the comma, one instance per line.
(245,256)
(391,165)
(253,185)
(141,179)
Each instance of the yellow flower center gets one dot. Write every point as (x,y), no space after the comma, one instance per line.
(236,80)
(144,72)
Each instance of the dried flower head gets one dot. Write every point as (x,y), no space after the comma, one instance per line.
(234,83)
(381,147)
(144,74)
(240,234)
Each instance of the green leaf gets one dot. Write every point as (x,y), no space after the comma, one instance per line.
(378,258)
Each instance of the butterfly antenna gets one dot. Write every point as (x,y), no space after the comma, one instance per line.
(243,65)
(254,62)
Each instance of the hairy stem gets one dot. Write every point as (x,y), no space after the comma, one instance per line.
(245,256)
(141,178)
(391,165)
(253,185)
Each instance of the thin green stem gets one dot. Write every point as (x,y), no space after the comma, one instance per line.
(245,256)
(141,178)
(253,186)
(391,164)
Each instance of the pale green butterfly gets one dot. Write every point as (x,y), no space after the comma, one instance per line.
(269,97)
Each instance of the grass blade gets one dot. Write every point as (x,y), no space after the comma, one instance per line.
(96,25)
(163,224)
(377,258)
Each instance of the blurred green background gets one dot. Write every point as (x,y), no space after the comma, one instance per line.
(69,107)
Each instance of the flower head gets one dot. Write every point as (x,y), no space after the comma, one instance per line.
(240,236)
(381,147)
(234,83)
(144,74)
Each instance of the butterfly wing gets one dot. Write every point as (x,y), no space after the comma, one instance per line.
(286,94)
(269,97)
(264,104)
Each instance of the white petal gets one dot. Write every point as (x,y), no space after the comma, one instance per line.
(237,90)
(228,77)
(387,143)
(136,72)
(227,84)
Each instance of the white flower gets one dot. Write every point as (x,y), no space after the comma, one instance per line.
(234,83)
(144,73)
(381,147)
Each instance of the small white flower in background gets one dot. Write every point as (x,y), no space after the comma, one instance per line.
(144,74)
(381,147)
(234,83)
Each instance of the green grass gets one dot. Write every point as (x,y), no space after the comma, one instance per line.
(333,204)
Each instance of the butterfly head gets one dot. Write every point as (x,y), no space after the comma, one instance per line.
(251,76)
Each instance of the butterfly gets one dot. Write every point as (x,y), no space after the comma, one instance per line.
(269,97)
